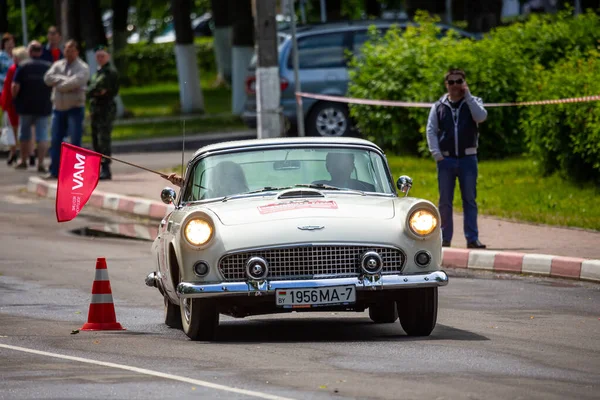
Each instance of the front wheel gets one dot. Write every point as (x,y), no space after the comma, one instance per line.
(328,120)
(383,313)
(417,309)
(199,318)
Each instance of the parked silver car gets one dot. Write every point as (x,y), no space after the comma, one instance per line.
(323,53)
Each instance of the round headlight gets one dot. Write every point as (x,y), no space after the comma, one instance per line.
(422,222)
(198,231)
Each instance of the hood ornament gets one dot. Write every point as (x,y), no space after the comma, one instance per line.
(310,227)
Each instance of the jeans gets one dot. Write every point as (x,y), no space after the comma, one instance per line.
(65,123)
(41,128)
(465,169)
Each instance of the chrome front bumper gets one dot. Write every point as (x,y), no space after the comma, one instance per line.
(385,282)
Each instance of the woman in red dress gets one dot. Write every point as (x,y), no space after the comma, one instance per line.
(6,100)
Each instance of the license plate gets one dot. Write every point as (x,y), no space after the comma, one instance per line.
(315,297)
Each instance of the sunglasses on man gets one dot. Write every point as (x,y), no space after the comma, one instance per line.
(458,82)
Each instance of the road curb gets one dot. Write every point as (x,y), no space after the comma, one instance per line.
(522,263)
(489,260)
(150,209)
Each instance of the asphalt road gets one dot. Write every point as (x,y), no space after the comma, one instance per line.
(498,336)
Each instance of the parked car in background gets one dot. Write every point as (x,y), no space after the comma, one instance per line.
(323,58)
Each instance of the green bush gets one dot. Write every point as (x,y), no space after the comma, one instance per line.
(411,67)
(148,63)
(565,137)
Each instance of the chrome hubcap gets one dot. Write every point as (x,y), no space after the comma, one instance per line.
(331,122)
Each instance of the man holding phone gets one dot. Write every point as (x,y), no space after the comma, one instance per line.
(452,136)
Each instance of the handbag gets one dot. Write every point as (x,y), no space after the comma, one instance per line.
(7,138)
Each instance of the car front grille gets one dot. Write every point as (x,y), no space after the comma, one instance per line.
(311,261)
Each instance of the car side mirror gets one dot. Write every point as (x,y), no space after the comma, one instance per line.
(168,195)
(404,184)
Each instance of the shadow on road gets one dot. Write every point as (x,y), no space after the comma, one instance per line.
(329,330)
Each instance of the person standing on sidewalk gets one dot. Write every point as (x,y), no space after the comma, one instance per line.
(31,97)
(52,51)
(102,91)
(10,116)
(452,136)
(68,78)
(6,56)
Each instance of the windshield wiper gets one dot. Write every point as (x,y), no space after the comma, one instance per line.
(327,187)
(264,189)
(267,189)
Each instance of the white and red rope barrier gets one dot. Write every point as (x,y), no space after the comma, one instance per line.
(390,103)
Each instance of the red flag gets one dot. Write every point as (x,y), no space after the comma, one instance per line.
(78,175)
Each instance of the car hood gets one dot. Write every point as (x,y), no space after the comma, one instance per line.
(257,210)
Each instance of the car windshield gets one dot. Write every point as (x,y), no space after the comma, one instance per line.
(230,174)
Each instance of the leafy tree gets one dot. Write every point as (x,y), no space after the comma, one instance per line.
(40,15)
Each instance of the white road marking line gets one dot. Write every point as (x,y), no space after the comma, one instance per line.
(144,371)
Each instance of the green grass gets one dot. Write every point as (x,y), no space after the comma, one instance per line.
(206,124)
(163,99)
(512,189)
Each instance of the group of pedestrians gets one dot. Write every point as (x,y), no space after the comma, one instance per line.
(46,81)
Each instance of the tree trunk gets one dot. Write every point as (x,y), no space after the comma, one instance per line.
(432,6)
(222,16)
(3,16)
(190,92)
(268,88)
(242,51)
(119,41)
(73,21)
(334,10)
(92,30)
(483,16)
(57,13)
(373,8)
(119,25)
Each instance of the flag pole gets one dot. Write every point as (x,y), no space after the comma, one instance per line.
(136,166)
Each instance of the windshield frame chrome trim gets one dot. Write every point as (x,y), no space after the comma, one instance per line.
(276,146)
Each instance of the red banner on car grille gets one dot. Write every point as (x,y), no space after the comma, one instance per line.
(78,174)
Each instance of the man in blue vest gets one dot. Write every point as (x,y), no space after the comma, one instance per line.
(452,136)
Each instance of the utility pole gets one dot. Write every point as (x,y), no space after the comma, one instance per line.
(577,7)
(24,22)
(449,12)
(268,86)
(296,61)
(323,11)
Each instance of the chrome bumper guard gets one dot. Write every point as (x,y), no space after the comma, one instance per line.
(385,282)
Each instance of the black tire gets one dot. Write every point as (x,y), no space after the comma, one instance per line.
(172,314)
(202,320)
(335,113)
(417,309)
(383,313)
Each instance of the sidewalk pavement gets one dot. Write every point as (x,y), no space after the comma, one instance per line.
(512,247)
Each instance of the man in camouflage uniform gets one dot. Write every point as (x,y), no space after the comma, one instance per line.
(103,89)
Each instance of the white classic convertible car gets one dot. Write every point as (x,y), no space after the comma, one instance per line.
(296,224)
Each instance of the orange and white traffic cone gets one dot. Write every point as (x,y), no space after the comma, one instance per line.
(101,316)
